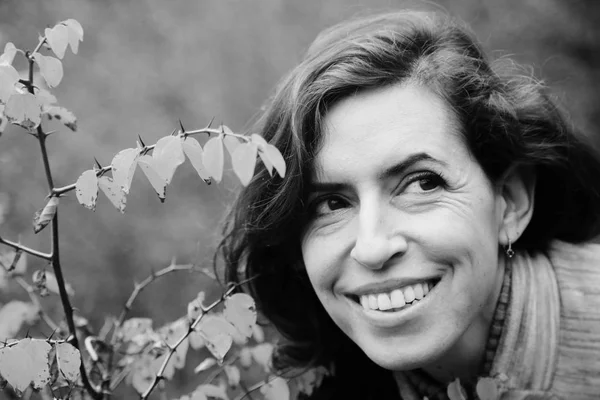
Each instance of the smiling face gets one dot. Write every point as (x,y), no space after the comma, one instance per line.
(398,201)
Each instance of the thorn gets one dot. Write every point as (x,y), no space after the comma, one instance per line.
(174,132)
(141,141)
(222,129)
(53,332)
(97,163)
(210,123)
(181,126)
(27,334)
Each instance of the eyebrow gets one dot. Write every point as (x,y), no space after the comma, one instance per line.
(392,171)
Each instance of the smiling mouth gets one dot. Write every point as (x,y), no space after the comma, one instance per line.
(396,300)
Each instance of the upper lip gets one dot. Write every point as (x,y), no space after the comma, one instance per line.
(388,285)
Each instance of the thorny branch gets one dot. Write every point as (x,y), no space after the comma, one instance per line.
(65,189)
(55,258)
(159,375)
(18,246)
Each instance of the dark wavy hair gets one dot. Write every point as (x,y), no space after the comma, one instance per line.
(507,120)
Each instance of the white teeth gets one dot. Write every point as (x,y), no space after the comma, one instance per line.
(364,301)
(409,294)
(373,302)
(397,299)
(418,290)
(383,300)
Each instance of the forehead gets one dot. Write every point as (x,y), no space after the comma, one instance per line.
(376,128)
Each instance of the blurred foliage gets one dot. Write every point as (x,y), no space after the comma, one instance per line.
(146,64)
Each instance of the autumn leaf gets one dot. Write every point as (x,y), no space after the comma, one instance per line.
(194,153)
(216,332)
(213,157)
(231,143)
(9,54)
(244,161)
(195,307)
(13,315)
(58,39)
(8,77)
(63,115)
(123,167)
(167,156)
(455,391)
(276,159)
(23,109)
(26,364)
(262,147)
(75,33)
(51,69)
(233,375)
(212,391)
(240,311)
(276,389)
(205,365)
(245,357)
(69,361)
(86,189)
(113,192)
(262,354)
(159,183)
(487,389)
(13,263)
(44,216)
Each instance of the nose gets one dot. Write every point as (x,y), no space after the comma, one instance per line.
(378,238)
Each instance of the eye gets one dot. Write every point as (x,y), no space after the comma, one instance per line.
(425,182)
(328,204)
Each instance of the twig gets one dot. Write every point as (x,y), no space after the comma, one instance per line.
(17,246)
(142,285)
(159,375)
(256,386)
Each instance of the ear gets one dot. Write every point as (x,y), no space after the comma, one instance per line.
(516,191)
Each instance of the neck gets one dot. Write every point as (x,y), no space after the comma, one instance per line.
(465,359)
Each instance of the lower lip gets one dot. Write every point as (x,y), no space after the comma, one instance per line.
(390,319)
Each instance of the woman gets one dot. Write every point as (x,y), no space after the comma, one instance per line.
(432,224)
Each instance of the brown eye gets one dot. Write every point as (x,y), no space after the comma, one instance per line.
(428,184)
(328,205)
(425,182)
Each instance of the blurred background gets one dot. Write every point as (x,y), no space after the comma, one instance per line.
(145,64)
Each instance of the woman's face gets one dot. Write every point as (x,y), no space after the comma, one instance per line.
(399,204)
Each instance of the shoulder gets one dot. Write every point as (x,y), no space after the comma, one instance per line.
(577,269)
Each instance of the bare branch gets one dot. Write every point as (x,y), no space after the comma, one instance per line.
(17,246)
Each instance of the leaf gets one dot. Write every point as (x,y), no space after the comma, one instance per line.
(455,391)
(262,147)
(13,261)
(311,379)
(13,315)
(216,332)
(8,77)
(69,361)
(45,215)
(241,312)
(262,354)
(231,143)
(233,375)
(39,280)
(244,161)
(52,284)
(113,192)
(143,371)
(86,189)
(168,155)
(75,34)
(194,153)
(213,157)
(26,363)
(23,109)
(63,115)
(487,389)
(245,355)
(258,333)
(51,69)
(9,54)
(276,389)
(194,309)
(123,167)
(45,98)
(205,365)
(276,159)
(58,39)
(159,183)
(171,333)
(212,391)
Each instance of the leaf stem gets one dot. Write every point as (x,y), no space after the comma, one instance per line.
(25,249)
